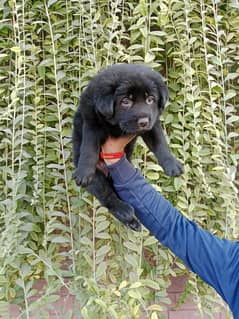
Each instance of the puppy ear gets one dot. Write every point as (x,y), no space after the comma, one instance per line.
(163,97)
(105,105)
(162,90)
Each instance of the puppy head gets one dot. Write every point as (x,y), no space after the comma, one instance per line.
(135,106)
(133,98)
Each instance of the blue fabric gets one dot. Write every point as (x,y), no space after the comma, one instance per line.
(215,260)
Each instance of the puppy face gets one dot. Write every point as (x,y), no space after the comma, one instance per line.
(135,108)
(129,96)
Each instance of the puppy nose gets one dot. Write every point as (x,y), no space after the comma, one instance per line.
(143,122)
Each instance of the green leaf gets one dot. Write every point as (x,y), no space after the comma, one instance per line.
(59,239)
(51,2)
(152,176)
(101,226)
(134,294)
(151,284)
(123,284)
(135,285)
(101,270)
(16,50)
(20,283)
(150,241)
(154,316)
(229,95)
(131,246)
(231,76)
(149,57)
(232,119)
(60,75)
(158,33)
(103,250)
(135,47)
(155,307)
(234,5)
(131,260)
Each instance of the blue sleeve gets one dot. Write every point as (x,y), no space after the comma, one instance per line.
(215,260)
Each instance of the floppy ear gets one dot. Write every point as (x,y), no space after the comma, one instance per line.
(105,105)
(104,102)
(162,90)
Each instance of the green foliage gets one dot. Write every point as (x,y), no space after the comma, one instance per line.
(53,230)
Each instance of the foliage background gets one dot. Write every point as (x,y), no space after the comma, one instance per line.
(54,230)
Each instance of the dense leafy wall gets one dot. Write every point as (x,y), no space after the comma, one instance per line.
(49,51)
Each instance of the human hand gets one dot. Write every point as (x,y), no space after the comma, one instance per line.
(115,145)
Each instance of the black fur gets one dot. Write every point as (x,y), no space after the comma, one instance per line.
(122,99)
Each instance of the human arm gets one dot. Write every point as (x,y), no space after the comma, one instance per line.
(215,260)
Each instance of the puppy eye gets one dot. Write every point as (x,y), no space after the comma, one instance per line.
(126,103)
(150,99)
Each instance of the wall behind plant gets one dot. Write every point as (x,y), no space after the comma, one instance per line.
(53,230)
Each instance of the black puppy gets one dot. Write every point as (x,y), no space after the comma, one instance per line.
(122,99)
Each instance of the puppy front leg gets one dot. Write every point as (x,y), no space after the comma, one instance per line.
(89,155)
(156,142)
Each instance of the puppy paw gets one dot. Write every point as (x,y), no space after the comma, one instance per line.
(83,178)
(125,213)
(134,224)
(172,167)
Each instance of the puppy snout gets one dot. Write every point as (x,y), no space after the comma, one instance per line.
(143,122)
